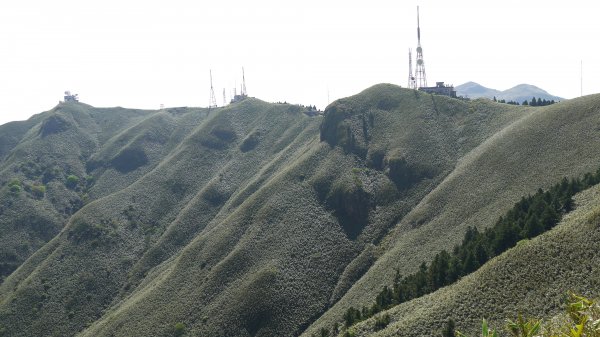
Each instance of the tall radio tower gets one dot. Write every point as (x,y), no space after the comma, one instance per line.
(421,77)
(412,82)
(244,93)
(213,100)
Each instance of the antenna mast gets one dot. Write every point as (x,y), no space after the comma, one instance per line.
(412,82)
(224,98)
(244,93)
(213,100)
(421,77)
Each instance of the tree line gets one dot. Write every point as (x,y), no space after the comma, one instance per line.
(529,217)
(533,102)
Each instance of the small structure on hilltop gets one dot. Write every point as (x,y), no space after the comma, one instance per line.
(440,89)
(71,98)
(419,80)
(243,95)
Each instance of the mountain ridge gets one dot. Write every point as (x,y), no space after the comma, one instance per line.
(518,93)
(257,219)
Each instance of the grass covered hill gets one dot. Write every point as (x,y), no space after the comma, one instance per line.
(535,151)
(533,279)
(256,219)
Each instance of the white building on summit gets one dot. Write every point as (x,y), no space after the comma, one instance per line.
(71,98)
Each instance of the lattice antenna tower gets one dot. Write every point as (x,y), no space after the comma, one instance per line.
(412,81)
(213,100)
(244,92)
(420,71)
(224,98)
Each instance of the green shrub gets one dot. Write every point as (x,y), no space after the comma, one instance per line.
(449,329)
(14,186)
(50,173)
(72,181)
(14,182)
(350,333)
(583,321)
(15,189)
(38,191)
(382,321)
(179,329)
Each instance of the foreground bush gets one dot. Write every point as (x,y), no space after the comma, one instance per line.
(583,320)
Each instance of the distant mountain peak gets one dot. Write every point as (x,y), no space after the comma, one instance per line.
(518,93)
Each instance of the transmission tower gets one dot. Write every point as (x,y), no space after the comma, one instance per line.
(421,77)
(213,100)
(244,92)
(412,81)
(224,98)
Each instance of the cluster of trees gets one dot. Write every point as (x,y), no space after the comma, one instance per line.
(533,102)
(538,102)
(528,218)
(509,102)
(37,190)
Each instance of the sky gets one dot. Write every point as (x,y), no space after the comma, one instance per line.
(141,54)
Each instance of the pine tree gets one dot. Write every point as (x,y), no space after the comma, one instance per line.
(449,329)
(533,102)
(533,227)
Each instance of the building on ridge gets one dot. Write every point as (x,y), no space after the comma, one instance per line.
(440,89)
(71,98)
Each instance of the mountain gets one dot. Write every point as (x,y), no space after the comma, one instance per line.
(476,90)
(524,92)
(260,219)
(518,93)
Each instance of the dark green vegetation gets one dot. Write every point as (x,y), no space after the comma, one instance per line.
(537,293)
(581,320)
(264,220)
(538,102)
(533,102)
(528,218)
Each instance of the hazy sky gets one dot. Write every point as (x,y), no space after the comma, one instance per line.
(141,54)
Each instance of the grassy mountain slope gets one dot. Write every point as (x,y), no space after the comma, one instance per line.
(258,220)
(37,156)
(531,278)
(486,182)
(281,243)
(192,214)
(111,243)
